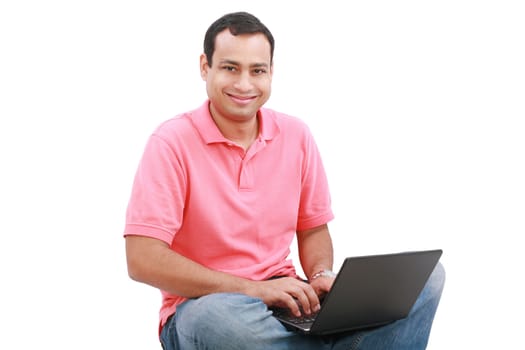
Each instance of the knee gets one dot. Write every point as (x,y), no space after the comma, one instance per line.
(430,296)
(436,282)
(434,287)
(208,310)
(218,315)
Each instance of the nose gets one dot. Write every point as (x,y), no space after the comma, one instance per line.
(244,82)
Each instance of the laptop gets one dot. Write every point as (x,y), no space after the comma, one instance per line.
(369,291)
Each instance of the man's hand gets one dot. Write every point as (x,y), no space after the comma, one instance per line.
(322,285)
(286,292)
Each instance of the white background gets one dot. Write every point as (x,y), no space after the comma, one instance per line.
(417,108)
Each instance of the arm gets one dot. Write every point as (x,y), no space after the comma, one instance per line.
(316,254)
(151,261)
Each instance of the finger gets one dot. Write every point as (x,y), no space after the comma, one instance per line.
(306,297)
(291,304)
(313,298)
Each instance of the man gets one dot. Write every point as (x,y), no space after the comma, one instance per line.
(218,197)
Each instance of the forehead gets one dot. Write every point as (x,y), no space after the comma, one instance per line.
(242,48)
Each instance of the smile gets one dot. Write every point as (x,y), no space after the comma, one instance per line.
(242,99)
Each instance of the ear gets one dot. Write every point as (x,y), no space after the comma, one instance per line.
(204,67)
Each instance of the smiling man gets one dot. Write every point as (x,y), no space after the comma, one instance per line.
(218,197)
(237,83)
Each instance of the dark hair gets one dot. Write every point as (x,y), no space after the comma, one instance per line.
(238,23)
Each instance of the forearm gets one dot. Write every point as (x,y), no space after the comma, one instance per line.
(315,250)
(152,262)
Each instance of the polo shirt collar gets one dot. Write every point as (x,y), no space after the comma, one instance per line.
(203,122)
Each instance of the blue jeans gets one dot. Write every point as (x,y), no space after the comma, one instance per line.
(236,321)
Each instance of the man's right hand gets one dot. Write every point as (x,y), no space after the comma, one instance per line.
(286,292)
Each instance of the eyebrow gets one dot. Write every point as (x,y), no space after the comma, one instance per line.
(235,63)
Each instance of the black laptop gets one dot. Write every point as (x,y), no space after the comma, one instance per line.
(368,291)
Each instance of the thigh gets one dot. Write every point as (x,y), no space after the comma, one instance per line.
(232,321)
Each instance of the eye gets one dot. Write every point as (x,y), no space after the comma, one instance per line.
(259,71)
(229,68)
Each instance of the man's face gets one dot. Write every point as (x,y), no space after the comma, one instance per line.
(239,81)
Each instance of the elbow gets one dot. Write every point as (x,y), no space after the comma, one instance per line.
(142,257)
(136,258)
(134,269)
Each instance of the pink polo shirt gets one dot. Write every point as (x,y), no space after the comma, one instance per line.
(227,209)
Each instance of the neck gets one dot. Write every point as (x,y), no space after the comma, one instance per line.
(242,133)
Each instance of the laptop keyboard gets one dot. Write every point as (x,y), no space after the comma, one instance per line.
(286,315)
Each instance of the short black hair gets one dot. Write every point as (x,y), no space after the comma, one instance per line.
(238,23)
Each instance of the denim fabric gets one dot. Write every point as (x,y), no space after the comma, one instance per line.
(236,321)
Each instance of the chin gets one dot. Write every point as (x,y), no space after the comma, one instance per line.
(244,112)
